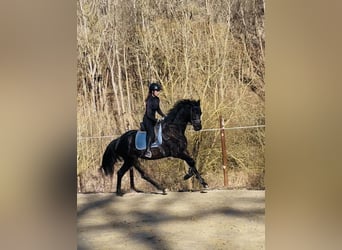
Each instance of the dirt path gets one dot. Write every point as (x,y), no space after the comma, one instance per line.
(220,219)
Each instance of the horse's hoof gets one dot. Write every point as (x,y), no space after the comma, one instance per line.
(119,194)
(205,188)
(165,191)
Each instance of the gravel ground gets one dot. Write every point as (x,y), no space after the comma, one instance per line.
(216,219)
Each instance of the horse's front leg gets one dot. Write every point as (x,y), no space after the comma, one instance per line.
(192,170)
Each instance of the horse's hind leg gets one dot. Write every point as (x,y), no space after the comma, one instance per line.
(127,165)
(148,178)
(131,178)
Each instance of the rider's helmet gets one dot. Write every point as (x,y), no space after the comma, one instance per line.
(154,86)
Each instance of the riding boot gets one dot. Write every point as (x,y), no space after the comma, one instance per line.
(148,153)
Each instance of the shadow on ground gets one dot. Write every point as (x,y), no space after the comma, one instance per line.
(149,221)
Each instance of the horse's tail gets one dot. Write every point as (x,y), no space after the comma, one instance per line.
(110,157)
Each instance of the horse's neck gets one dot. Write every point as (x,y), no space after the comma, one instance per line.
(179,121)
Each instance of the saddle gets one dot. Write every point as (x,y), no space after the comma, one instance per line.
(140,138)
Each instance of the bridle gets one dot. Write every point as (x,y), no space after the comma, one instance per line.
(195,117)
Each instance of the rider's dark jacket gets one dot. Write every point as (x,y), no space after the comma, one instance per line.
(152,106)
(149,120)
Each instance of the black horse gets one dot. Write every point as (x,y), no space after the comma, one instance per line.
(174,145)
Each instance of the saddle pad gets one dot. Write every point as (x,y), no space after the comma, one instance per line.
(140,139)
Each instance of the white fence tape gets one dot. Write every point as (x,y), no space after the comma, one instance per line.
(244,127)
(202,130)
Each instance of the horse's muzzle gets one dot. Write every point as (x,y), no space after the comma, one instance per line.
(197,126)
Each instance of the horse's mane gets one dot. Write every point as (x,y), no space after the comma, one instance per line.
(179,105)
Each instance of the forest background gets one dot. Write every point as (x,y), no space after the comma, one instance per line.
(212,50)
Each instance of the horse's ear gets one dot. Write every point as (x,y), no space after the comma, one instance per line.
(199,102)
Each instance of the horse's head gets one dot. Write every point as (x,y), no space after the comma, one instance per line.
(196,113)
(184,112)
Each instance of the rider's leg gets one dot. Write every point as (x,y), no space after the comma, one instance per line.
(149,139)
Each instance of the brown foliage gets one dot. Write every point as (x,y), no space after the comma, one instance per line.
(208,50)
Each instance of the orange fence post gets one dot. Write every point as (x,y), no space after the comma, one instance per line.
(224,153)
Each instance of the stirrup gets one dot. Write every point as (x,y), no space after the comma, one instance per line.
(148,154)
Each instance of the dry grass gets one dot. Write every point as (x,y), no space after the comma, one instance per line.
(212,50)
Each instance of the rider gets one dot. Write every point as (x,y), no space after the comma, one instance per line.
(149,120)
